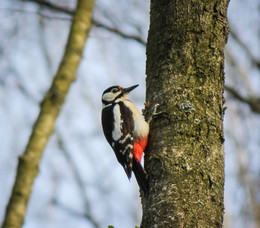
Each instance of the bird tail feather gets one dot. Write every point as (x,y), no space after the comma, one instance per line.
(140,176)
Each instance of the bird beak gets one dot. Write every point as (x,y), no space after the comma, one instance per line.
(129,89)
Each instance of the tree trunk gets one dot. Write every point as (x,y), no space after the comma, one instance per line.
(29,162)
(185,155)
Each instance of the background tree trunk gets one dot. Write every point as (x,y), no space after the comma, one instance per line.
(185,155)
(29,162)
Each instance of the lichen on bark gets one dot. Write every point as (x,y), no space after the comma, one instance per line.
(185,76)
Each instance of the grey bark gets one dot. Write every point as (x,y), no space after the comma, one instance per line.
(185,76)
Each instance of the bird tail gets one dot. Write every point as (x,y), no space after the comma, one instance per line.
(140,176)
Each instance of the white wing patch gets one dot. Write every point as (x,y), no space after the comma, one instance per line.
(117,132)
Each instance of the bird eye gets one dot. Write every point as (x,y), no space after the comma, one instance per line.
(114,90)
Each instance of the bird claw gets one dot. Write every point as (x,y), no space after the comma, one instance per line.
(146,105)
(145,110)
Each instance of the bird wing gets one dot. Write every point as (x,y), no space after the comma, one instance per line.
(124,146)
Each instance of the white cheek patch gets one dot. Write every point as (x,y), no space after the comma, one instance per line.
(110,96)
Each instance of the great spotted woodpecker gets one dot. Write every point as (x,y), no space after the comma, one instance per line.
(126,131)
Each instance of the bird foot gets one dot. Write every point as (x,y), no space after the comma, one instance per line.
(145,110)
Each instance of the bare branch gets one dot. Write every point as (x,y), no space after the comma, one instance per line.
(245,47)
(36,13)
(74,212)
(253,102)
(28,165)
(78,179)
(96,23)
(239,69)
(119,32)
(245,175)
(52,6)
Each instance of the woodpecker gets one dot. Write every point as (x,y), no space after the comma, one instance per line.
(126,131)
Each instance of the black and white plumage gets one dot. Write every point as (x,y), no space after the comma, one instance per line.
(125,130)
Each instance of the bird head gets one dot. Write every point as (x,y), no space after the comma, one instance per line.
(116,93)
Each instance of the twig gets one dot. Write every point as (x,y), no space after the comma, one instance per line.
(52,6)
(28,165)
(78,179)
(238,68)
(96,23)
(74,212)
(119,32)
(254,103)
(36,13)
(245,47)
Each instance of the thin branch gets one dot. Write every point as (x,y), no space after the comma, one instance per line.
(22,86)
(52,6)
(239,69)
(245,47)
(44,47)
(119,32)
(98,24)
(28,165)
(74,212)
(11,10)
(253,102)
(78,179)
(245,176)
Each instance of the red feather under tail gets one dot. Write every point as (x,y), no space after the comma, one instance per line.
(139,147)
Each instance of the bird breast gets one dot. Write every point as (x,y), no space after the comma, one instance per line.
(141,128)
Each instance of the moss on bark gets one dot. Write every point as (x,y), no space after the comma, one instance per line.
(185,76)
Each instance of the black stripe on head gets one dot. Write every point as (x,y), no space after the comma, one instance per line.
(110,89)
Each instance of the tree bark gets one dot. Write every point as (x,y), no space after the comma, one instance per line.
(185,76)
(29,162)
